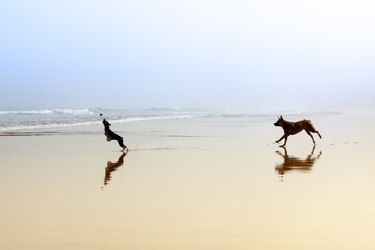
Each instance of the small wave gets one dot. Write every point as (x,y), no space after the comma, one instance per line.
(46,126)
(53,125)
(150,118)
(48,112)
(73,111)
(26,112)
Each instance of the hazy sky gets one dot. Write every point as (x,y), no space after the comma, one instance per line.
(195,53)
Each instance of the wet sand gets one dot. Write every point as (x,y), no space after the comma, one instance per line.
(218,183)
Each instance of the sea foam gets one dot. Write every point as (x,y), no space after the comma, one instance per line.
(47,111)
(16,120)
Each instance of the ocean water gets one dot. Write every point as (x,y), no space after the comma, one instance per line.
(29,119)
(12,119)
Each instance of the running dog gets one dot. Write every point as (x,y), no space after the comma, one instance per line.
(292,128)
(113,136)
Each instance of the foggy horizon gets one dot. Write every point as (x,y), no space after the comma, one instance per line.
(200,54)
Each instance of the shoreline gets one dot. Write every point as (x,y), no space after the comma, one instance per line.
(27,120)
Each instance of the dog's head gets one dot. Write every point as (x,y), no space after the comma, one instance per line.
(106,124)
(279,122)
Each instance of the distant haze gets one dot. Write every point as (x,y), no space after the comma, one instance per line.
(207,53)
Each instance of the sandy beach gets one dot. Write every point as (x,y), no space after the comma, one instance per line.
(206,183)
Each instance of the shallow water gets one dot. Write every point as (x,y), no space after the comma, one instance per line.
(208,183)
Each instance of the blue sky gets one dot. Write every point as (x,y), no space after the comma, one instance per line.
(206,53)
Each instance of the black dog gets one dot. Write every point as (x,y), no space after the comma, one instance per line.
(113,136)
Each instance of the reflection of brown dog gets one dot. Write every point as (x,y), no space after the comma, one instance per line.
(292,128)
(292,163)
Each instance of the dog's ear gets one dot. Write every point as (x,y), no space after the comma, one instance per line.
(281,117)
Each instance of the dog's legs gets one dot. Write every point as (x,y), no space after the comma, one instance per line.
(308,132)
(121,143)
(285,139)
(316,131)
(282,137)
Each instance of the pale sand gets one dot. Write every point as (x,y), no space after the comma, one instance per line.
(191,184)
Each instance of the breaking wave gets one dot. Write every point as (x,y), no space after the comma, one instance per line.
(47,112)
(34,119)
(50,124)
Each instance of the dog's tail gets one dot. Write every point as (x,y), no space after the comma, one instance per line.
(311,128)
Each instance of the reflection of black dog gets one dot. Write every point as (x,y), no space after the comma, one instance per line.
(112,167)
(113,136)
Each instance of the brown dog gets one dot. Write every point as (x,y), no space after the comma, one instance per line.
(292,128)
